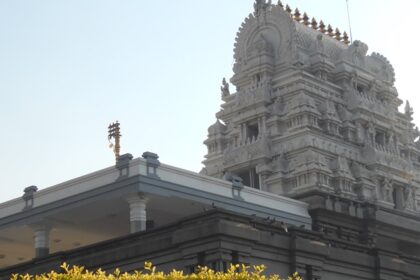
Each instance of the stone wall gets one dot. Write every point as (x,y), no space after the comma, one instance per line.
(217,238)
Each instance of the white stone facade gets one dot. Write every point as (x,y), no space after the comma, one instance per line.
(312,112)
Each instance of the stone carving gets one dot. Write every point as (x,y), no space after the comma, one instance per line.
(373,85)
(360,133)
(360,172)
(261,46)
(303,104)
(28,196)
(319,45)
(216,128)
(320,60)
(356,53)
(408,110)
(353,79)
(277,107)
(391,139)
(343,112)
(322,114)
(251,96)
(252,149)
(224,88)
(370,133)
(410,135)
(409,197)
(343,181)
(381,67)
(260,6)
(386,189)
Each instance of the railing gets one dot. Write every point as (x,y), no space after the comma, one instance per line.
(247,150)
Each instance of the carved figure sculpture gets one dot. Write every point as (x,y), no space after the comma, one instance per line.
(354,79)
(261,5)
(409,195)
(224,88)
(387,189)
(360,133)
(391,139)
(408,110)
(370,139)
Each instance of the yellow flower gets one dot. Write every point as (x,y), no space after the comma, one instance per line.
(234,272)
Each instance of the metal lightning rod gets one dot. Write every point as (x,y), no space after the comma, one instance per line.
(348,18)
(114,132)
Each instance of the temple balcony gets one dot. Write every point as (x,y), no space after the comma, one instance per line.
(386,156)
(258,94)
(360,100)
(252,149)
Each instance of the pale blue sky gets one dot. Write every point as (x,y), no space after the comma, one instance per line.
(69,68)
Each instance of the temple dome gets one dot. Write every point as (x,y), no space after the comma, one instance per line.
(216,128)
(290,40)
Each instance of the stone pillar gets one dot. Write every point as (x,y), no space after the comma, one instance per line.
(260,127)
(243,133)
(42,241)
(138,217)
(263,171)
(264,125)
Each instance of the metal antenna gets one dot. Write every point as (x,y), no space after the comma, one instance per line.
(348,17)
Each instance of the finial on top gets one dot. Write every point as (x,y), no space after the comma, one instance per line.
(337,34)
(314,24)
(296,15)
(330,31)
(305,19)
(345,38)
(114,132)
(288,10)
(260,6)
(322,26)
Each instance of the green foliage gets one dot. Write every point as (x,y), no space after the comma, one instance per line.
(235,272)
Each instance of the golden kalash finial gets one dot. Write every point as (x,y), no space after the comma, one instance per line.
(114,132)
(345,38)
(296,15)
(330,31)
(305,19)
(337,34)
(288,10)
(322,26)
(314,24)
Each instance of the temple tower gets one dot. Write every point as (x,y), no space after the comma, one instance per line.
(314,117)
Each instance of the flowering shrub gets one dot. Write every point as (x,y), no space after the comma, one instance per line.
(235,272)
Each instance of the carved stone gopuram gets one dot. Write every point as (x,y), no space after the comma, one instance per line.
(315,117)
(313,113)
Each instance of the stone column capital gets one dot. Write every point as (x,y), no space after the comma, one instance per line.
(137,203)
(136,198)
(41,226)
(41,238)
